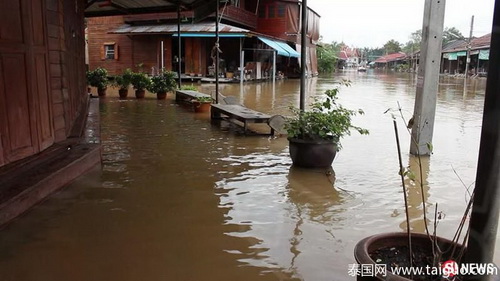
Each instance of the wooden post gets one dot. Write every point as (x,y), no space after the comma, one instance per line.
(179,70)
(303,55)
(428,77)
(484,217)
(217,53)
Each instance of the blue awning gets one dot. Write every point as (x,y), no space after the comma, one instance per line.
(232,35)
(281,48)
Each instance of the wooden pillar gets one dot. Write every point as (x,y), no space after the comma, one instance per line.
(428,77)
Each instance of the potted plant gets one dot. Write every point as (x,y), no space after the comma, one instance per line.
(202,104)
(163,83)
(98,78)
(122,82)
(439,257)
(141,82)
(314,135)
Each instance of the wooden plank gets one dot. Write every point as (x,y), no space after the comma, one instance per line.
(240,113)
(187,95)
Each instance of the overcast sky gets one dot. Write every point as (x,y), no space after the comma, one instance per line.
(371,23)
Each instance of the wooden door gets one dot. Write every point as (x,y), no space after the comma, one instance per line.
(25,105)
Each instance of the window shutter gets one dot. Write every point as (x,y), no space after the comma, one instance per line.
(103,54)
(116,51)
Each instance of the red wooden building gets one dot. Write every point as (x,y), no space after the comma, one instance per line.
(250,32)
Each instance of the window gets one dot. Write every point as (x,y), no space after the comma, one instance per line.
(262,12)
(271,11)
(109,51)
(281,10)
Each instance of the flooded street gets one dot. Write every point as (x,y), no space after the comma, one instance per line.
(178,198)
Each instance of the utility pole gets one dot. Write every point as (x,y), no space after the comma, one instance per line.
(303,55)
(427,77)
(467,62)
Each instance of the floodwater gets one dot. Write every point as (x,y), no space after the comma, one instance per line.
(177,198)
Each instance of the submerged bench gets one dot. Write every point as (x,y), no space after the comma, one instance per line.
(188,95)
(240,113)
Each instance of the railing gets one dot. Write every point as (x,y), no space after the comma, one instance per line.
(240,16)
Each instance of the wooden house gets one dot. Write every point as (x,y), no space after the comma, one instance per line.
(254,35)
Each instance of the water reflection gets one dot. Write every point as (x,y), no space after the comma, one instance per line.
(419,167)
(180,199)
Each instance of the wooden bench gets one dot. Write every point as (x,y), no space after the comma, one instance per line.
(188,95)
(240,113)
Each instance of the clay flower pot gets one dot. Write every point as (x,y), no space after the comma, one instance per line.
(123,93)
(101,92)
(421,246)
(161,95)
(200,107)
(312,153)
(140,94)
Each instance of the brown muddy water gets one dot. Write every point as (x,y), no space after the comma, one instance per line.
(177,198)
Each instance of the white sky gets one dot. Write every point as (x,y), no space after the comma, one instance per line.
(371,23)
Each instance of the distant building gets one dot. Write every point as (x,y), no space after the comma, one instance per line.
(254,28)
(390,61)
(454,54)
(350,56)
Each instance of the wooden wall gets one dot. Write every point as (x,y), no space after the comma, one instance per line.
(42,90)
(132,49)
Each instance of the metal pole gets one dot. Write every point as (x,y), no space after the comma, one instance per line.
(274,66)
(484,216)
(217,53)
(303,55)
(179,52)
(428,77)
(242,57)
(242,67)
(162,64)
(467,60)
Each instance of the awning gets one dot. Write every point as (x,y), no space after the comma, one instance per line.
(233,35)
(281,48)
(484,54)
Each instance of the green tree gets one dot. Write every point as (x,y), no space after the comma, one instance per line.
(326,54)
(451,34)
(414,44)
(392,46)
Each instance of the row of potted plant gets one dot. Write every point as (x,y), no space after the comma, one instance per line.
(160,84)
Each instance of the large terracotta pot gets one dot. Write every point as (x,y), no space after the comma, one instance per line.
(368,245)
(201,106)
(312,154)
(123,93)
(101,92)
(161,95)
(140,94)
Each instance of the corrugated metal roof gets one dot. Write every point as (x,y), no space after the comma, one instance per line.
(391,57)
(172,28)
(115,7)
(482,42)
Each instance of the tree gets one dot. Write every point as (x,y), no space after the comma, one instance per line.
(327,56)
(392,46)
(451,34)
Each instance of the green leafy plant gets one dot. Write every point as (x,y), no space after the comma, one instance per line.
(327,120)
(204,99)
(98,78)
(140,80)
(163,82)
(189,88)
(123,81)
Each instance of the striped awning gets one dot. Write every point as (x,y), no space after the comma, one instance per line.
(225,30)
